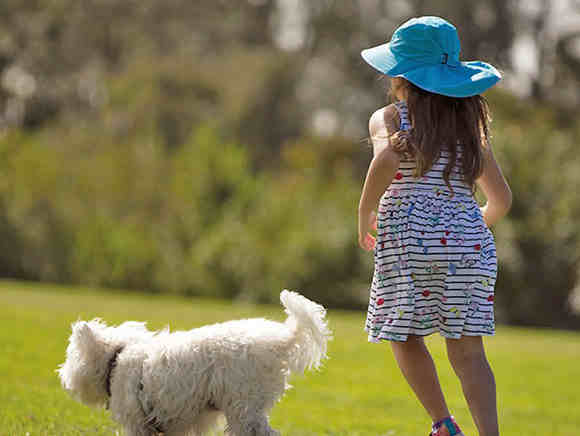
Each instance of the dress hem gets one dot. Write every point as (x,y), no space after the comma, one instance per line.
(378,340)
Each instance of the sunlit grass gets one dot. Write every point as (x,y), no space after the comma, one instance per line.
(360,390)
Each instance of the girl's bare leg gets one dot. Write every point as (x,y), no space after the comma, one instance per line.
(467,357)
(419,370)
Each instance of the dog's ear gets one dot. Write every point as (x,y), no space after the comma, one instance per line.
(83,336)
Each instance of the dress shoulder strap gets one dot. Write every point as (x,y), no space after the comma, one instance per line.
(403,115)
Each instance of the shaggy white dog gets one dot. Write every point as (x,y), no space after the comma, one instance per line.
(180,383)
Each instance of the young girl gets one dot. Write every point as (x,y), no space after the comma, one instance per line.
(435,260)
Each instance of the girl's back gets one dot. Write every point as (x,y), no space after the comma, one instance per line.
(433,180)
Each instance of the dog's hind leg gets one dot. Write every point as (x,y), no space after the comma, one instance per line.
(206,423)
(259,426)
(139,431)
(249,424)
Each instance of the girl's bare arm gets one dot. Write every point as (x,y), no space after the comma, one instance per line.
(496,190)
(385,163)
(379,176)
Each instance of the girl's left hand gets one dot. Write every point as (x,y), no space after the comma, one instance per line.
(365,224)
(401,142)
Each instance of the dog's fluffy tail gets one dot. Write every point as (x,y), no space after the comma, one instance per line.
(308,320)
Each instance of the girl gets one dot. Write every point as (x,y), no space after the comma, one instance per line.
(435,260)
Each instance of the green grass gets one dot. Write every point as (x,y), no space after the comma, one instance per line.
(359,392)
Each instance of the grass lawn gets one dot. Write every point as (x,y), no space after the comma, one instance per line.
(359,392)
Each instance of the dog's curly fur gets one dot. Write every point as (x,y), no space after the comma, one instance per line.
(180,383)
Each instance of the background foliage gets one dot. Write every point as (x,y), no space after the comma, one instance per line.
(200,148)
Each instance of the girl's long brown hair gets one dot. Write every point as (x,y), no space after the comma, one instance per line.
(440,122)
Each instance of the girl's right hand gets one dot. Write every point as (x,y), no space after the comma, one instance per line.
(366,223)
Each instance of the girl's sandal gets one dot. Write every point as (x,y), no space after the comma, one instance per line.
(449,424)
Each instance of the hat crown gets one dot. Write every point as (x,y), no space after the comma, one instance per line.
(427,39)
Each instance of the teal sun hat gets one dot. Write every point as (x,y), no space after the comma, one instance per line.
(425,51)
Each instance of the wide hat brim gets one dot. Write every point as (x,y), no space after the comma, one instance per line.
(461,79)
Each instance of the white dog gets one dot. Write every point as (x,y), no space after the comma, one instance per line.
(180,383)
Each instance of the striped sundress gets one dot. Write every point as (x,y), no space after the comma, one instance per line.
(435,259)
